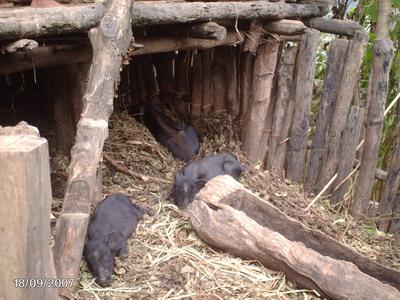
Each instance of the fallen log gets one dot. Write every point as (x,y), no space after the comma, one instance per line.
(339,27)
(32,22)
(230,217)
(109,40)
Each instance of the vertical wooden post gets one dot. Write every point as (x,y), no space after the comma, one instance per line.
(230,73)
(327,103)
(165,77)
(109,41)
(379,82)
(351,67)
(391,188)
(150,82)
(304,79)
(139,79)
(283,110)
(218,81)
(347,153)
(25,193)
(207,92)
(181,83)
(196,85)
(246,78)
(263,76)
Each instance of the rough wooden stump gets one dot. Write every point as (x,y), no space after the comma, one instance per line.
(351,67)
(327,103)
(231,218)
(383,55)
(283,110)
(298,135)
(110,40)
(25,193)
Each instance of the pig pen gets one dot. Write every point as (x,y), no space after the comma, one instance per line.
(167,260)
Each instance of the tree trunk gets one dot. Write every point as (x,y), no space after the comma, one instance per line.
(304,78)
(109,40)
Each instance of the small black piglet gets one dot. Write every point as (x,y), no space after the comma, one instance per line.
(113,222)
(196,174)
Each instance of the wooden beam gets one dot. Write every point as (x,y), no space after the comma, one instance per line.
(339,27)
(32,22)
(25,193)
(110,40)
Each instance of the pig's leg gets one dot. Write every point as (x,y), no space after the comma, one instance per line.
(124,251)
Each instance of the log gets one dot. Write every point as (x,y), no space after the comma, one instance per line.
(181,93)
(25,192)
(196,85)
(347,153)
(262,82)
(254,35)
(218,81)
(208,30)
(285,27)
(231,80)
(352,65)
(304,77)
(109,40)
(207,91)
(327,103)
(389,195)
(339,27)
(245,80)
(68,19)
(47,56)
(149,78)
(283,110)
(231,218)
(165,75)
(382,58)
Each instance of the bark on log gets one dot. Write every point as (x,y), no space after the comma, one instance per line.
(48,21)
(383,49)
(283,110)
(286,27)
(218,81)
(208,30)
(348,150)
(298,135)
(25,193)
(339,27)
(257,230)
(207,91)
(196,85)
(351,67)
(110,40)
(327,103)
(262,83)
(390,190)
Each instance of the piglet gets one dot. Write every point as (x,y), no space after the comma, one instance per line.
(196,174)
(113,222)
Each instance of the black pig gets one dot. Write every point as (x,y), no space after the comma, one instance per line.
(181,141)
(196,174)
(113,222)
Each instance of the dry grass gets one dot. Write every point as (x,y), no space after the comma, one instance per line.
(167,260)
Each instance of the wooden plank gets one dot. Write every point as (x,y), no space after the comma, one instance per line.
(25,193)
(352,65)
(109,40)
(262,83)
(327,103)
(229,217)
(383,55)
(304,78)
(348,150)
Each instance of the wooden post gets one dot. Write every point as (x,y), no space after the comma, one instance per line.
(348,150)
(139,80)
(109,40)
(246,78)
(165,77)
(390,189)
(327,103)
(196,85)
(283,110)
(207,92)
(25,193)
(181,83)
(263,76)
(381,62)
(218,81)
(149,77)
(231,82)
(304,78)
(352,65)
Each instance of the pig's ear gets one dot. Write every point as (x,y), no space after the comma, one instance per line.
(112,240)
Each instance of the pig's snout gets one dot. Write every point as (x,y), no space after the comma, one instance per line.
(104,277)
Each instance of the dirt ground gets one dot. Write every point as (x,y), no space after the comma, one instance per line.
(167,260)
